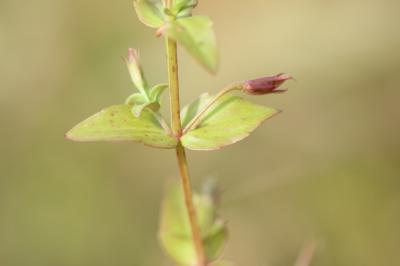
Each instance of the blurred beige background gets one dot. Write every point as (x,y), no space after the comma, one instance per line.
(327,168)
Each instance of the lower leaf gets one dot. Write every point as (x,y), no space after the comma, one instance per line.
(182,249)
(175,232)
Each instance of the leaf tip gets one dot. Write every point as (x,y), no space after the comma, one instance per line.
(213,68)
(69,135)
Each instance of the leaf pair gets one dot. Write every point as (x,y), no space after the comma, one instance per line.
(175,233)
(196,33)
(228,121)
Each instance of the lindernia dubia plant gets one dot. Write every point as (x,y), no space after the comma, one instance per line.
(190,230)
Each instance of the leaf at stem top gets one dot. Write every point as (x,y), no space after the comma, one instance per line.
(183,8)
(117,123)
(196,34)
(228,121)
(150,12)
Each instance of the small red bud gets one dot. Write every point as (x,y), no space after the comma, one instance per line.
(265,85)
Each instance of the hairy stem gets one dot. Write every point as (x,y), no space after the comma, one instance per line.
(197,119)
(180,150)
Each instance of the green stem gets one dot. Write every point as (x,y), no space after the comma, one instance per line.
(196,234)
(197,119)
(180,150)
(173,80)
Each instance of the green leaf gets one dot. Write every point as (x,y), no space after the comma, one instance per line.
(196,34)
(215,241)
(136,99)
(117,123)
(175,232)
(183,8)
(137,110)
(191,110)
(183,251)
(157,91)
(139,102)
(174,217)
(230,120)
(150,12)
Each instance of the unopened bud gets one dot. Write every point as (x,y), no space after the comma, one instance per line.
(265,85)
(135,69)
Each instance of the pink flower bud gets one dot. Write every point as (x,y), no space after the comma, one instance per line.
(265,85)
(135,69)
(133,56)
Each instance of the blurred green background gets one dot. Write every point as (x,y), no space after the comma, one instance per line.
(327,168)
